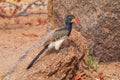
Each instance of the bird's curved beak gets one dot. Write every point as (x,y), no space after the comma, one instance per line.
(77,21)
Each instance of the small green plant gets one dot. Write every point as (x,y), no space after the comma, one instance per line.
(90,62)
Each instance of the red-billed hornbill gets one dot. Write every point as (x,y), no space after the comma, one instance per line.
(57,37)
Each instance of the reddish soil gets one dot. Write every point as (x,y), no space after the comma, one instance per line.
(15,39)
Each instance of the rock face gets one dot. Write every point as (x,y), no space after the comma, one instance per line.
(62,65)
(100,21)
(53,65)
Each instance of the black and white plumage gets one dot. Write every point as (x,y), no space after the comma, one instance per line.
(57,37)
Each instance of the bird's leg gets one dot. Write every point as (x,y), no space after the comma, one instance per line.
(63,51)
(58,51)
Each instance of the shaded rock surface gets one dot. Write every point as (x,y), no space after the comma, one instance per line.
(100,22)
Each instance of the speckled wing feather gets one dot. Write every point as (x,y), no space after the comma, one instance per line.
(57,35)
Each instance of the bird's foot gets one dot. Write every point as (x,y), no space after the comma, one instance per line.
(63,51)
(57,51)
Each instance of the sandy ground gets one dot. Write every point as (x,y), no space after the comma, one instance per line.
(111,70)
(15,40)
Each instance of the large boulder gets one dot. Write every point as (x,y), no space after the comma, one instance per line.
(100,21)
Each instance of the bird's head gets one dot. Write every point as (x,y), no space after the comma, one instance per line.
(72,19)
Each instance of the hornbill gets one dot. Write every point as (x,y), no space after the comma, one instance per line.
(57,37)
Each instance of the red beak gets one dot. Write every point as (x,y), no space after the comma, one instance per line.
(77,20)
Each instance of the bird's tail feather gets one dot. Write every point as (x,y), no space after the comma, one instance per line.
(32,62)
